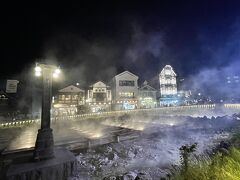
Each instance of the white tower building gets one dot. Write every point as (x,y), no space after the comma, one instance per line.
(168,83)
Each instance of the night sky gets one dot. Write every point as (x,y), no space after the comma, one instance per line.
(94,41)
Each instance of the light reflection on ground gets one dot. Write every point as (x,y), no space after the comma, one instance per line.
(88,133)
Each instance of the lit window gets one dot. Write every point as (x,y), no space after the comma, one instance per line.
(67,97)
(74,97)
(62,97)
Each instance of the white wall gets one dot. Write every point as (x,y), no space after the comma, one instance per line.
(127,77)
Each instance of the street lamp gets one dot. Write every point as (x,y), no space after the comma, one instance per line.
(44,147)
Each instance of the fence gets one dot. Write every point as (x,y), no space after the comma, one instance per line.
(105,114)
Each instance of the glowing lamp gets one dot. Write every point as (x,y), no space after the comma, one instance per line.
(56,73)
(38,71)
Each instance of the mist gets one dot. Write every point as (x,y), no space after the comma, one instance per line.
(87,59)
(219,78)
(204,60)
(217,83)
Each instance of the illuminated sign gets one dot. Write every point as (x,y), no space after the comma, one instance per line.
(126,83)
(128,106)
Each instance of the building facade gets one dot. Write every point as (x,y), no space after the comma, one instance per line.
(99,97)
(67,100)
(125,91)
(147,96)
(71,95)
(167,80)
(168,86)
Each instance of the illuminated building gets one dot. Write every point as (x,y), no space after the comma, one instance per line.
(125,91)
(68,99)
(71,95)
(168,83)
(99,97)
(184,97)
(147,96)
(168,86)
(232,79)
(231,89)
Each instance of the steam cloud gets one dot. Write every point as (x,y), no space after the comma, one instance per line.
(86,60)
(144,51)
(220,79)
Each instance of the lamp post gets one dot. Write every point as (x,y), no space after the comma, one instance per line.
(44,146)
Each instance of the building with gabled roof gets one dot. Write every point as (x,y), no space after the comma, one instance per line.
(125,91)
(99,97)
(147,96)
(71,95)
(68,100)
(72,89)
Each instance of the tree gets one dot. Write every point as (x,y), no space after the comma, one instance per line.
(185,153)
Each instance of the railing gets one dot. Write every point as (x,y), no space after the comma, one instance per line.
(233,106)
(19,123)
(109,113)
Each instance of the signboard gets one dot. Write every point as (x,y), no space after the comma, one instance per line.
(128,106)
(11,86)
